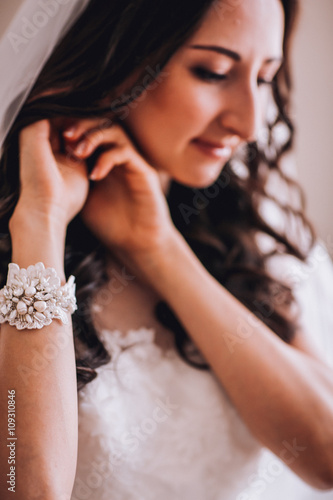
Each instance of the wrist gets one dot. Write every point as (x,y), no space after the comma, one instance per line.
(32,220)
(37,239)
(160,262)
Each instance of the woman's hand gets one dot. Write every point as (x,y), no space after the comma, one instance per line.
(126,208)
(52,185)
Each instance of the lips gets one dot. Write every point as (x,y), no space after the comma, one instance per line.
(214,150)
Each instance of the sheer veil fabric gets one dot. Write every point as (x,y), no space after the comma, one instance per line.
(26,45)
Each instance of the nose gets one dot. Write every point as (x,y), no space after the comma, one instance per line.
(241,112)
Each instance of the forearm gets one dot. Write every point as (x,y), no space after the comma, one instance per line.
(281,393)
(40,366)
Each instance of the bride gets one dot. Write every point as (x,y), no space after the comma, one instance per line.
(140,163)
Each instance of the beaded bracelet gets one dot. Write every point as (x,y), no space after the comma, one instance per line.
(33,297)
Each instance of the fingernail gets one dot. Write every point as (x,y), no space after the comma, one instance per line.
(80,148)
(70,132)
(94,175)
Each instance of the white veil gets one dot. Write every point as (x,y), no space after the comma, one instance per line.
(25,46)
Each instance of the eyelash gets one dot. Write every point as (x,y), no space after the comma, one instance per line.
(210,77)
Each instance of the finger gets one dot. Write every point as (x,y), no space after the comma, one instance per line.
(81,127)
(106,162)
(34,142)
(121,155)
(98,138)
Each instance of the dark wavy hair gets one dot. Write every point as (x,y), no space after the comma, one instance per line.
(109,44)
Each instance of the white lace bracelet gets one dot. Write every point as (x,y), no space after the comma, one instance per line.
(33,297)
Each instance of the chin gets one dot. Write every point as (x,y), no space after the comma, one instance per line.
(200,180)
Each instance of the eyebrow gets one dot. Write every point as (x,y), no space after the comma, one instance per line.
(230,53)
(220,50)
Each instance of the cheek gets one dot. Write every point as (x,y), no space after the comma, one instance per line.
(186,104)
(179,108)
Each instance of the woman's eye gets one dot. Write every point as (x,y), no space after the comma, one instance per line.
(211,77)
(208,76)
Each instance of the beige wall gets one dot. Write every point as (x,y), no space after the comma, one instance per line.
(313,105)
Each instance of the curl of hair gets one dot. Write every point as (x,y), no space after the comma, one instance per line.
(93,61)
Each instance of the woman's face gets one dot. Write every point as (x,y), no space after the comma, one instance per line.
(213,89)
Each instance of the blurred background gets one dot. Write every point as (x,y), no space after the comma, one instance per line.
(312,111)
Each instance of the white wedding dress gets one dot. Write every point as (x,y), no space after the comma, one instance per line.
(151,427)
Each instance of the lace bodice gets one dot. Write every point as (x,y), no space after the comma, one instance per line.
(152,427)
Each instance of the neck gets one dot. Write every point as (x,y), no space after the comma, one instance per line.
(165,181)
